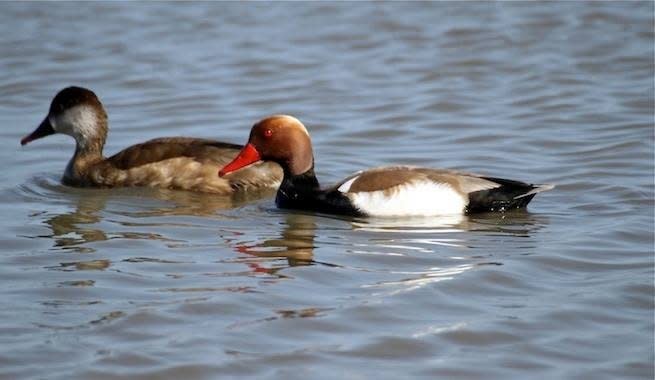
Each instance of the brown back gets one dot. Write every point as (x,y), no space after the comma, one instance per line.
(171,147)
(389,178)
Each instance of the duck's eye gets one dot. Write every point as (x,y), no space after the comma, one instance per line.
(268,133)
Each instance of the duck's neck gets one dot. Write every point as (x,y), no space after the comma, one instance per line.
(87,154)
(297,189)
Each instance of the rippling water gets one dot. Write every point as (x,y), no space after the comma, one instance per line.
(135,283)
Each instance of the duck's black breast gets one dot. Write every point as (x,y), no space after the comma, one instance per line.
(302,192)
(328,202)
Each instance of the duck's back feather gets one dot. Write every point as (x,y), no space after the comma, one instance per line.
(178,163)
(390,177)
(173,147)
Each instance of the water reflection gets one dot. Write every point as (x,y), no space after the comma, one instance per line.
(74,230)
(515,222)
(451,245)
(295,244)
(400,236)
(443,223)
(519,223)
(461,238)
(189,203)
(400,233)
(71,230)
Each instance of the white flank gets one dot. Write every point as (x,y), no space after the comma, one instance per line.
(423,198)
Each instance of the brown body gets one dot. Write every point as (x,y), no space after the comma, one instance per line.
(172,163)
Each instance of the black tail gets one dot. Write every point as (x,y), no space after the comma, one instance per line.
(509,195)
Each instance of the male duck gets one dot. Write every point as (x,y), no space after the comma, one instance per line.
(385,191)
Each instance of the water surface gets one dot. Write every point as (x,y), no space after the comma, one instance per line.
(136,283)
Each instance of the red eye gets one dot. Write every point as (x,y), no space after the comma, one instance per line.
(268,133)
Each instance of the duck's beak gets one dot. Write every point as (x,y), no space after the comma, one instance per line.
(43,130)
(248,155)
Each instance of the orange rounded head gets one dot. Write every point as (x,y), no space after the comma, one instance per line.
(278,138)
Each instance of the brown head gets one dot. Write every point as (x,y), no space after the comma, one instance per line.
(77,112)
(278,138)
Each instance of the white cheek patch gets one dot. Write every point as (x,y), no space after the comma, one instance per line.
(79,122)
(423,198)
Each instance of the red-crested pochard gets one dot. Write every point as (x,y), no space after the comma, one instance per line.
(386,191)
(174,163)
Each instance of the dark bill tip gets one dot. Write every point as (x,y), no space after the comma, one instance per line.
(43,130)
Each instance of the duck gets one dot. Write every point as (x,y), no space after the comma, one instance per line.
(180,163)
(391,191)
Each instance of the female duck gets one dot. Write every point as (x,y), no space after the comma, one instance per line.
(174,163)
(386,191)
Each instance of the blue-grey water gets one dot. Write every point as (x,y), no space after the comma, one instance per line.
(142,284)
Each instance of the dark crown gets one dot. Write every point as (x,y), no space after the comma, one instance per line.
(71,97)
